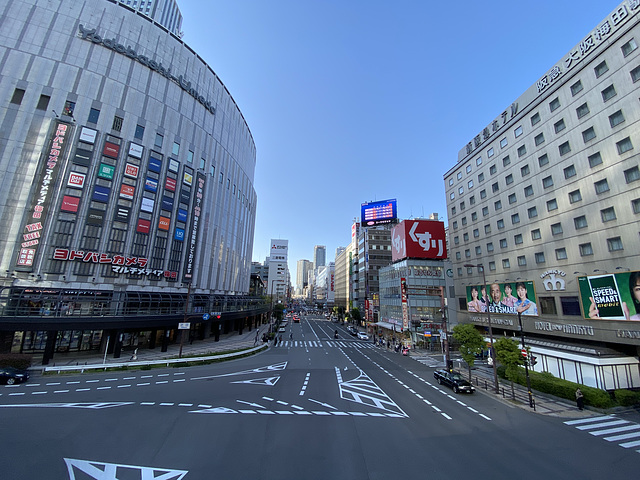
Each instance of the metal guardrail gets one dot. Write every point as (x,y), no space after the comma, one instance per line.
(166,362)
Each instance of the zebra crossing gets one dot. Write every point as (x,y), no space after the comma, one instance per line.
(429,360)
(322,344)
(611,428)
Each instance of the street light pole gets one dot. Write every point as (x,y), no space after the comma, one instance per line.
(480,267)
(443,308)
(526,363)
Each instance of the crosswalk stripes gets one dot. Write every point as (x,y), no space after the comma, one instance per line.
(611,429)
(320,344)
(429,361)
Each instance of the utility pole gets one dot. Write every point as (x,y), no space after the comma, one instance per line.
(186,306)
(526,362)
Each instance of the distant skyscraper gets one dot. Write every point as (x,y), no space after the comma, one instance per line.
(278,270)
(319,256)
(303,268)
(165,12)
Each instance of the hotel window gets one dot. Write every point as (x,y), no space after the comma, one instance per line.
(483,193)
(552,205)
(485,211)
(474,216)
(522,150)
(478,250)
(492,169)
(535,119)
(524,171)
(462,206)
(117,123)
(454,210)
(595,159)
(632,175)
(515,218)
(528,190)
(480,177)
(559,125)
(570,306)
(452,195)
(504,142)
(506,161)
(94,114)
(455,224)
(189,156)
(492,266)
(18,95)
(487,229)
(569,172)
(518,131)
(212,170)
(635,205)
(450,181)
(512,199)
(202,163)
(497,205)
(458,256)
(614,244)
(547,182)
(575,196)
(472,200)
(635,74)
(470,184)
(503,243)
(543,160)
(522,261)
(539,139)
(176,148)
(561,253)
(459,176)
(608,214)
(602,186)
(500,224)
(464,221)
(489,154)
(556,229)
(601,69)
(456,240)
(460,271)
(582,110)
(139,134)
(535,234)
(468,169)
(476,233)
(505,263)
(467,253)
(616,118)
(608,93)
(532,212)
(517,239)
(628,47)
(490,247)
(564,148)
(576,88)
(580,222)
(479,160)
(159,140)
(588,135)
(585,249)
(624,145)
(539,257)
(554,104)
(495,187)
(508,179)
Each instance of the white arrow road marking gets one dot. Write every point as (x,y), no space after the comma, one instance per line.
(214,410)
(94,406)
(269,368)
(113,471)
(251,404)
(270,381)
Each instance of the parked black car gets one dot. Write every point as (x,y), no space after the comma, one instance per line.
(453,380)
(10,375)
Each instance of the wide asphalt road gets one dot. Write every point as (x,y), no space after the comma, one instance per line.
(312,407)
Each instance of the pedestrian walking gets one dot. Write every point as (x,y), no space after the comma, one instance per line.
(579,399)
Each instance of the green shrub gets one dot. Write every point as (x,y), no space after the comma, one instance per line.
(15,360)
(627,398)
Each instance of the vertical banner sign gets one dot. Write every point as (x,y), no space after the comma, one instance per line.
(195,225)
(45,189)
(405,305)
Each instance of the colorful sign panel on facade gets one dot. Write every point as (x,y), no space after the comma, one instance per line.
(503,298)
(45,182)
(196,212)
(418,239)
(405,306)
(378,213)
(614,296)
(119,263)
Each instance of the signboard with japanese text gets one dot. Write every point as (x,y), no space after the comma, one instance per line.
(611,296)
(418,239)
(504,298)
(192,240)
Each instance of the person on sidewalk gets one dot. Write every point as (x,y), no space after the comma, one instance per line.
(579,399)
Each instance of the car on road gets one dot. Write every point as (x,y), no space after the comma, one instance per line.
(454,380)
(363,336)
(282,329)
(10,375)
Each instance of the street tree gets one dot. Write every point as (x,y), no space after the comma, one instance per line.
(508,354)
(471,342)
(355,315)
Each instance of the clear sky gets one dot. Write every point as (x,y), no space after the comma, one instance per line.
(351,101)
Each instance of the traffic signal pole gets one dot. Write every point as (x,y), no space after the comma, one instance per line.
(526,362)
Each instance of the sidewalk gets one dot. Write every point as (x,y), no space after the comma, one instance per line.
(228,342)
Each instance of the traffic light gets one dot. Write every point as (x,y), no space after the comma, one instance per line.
(534,360)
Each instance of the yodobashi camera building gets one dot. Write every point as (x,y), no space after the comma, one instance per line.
(546,198)
(127,182)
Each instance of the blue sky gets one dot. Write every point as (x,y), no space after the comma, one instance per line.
(352,101)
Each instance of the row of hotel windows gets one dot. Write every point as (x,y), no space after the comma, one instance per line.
(94,115)
(614,244)
(615,119)
(601,186)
